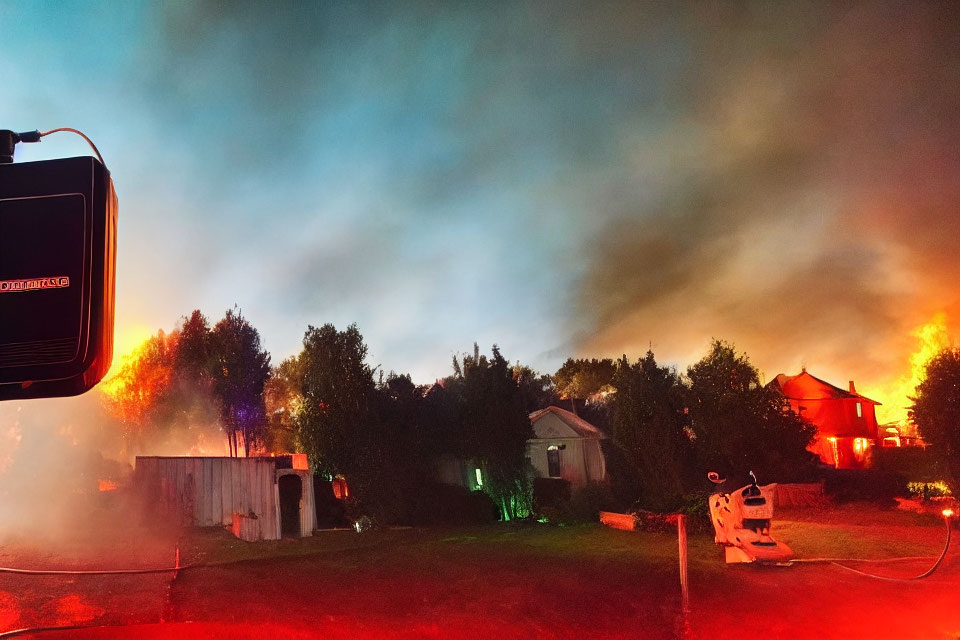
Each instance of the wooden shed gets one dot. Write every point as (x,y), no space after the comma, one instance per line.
(566,446)
(260,498)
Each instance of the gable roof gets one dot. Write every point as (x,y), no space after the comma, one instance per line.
(804,386)
(583,428)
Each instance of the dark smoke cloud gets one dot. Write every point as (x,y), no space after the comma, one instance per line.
(815,219)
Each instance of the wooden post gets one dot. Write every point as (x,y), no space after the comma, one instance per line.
(682,540)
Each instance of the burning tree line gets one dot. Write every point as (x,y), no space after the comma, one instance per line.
(387,435)
(195,376)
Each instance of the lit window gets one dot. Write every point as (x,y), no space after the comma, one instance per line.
(859,410)
(340,488)
(553,461)
(859,447)
(479,475)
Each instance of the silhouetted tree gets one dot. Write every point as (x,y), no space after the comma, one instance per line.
(337,411)
(648,421)
(191,399)
(282,399)
(580,379)
(193,358)
(493,428)
(166,386)
(138,394)
(738,424)
(536,390)
(936,411)
(240,369)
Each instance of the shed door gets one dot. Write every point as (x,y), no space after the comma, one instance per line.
(291,491)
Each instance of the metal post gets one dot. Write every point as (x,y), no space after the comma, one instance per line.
(682,540)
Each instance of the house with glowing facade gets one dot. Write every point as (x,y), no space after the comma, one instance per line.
(846,421)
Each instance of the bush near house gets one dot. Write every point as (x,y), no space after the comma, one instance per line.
(879,486)
(893,470)
(916,464)
(443,504)
(584,504)
(549,493)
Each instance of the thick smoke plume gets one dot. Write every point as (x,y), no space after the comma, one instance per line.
(803,202)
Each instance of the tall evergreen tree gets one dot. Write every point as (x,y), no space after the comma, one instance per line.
(936,412)
(648,421)
(740,425)
(337,412)
(240,369)
(494,427)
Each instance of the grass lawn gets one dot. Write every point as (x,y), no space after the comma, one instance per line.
(519,581)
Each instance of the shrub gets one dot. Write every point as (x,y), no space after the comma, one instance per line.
(439,503)
(928,490)
(624,477)
(917,464)
(867,485)
(549,493)
(585,504)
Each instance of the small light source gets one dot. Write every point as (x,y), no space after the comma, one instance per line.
(479,475)
(947,513)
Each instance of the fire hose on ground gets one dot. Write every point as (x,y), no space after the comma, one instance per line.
(947,514)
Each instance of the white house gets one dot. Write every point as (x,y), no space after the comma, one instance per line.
(566,446)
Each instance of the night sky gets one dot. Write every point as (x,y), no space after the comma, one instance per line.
(559,179)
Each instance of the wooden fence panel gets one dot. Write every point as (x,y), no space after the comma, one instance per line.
(207,491)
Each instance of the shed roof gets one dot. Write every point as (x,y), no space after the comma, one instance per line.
(804,386)
(583,428)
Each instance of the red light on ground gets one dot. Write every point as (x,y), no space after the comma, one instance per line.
(107,485)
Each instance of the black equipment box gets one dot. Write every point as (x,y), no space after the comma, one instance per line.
(58,245)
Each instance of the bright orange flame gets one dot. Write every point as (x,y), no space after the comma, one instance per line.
(932,337)
(126,340)
(141,378)
(947,513)
(107,485)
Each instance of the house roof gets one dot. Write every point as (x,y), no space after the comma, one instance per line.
(575,422)
(804,386)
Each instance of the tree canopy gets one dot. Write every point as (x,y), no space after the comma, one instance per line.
(176,385)
(337,408)
(240,369)
(649,423)
(282,398)
(739,425)
(493,427)
(936,411)
(582,378)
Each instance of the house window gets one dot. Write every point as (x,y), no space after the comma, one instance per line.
(340,488)
(553,461)
(859,448)
(479,475)
(859,410)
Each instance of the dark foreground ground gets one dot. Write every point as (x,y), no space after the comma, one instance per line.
(498,581)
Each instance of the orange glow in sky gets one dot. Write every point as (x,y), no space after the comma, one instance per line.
(895,396)
(126,339)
